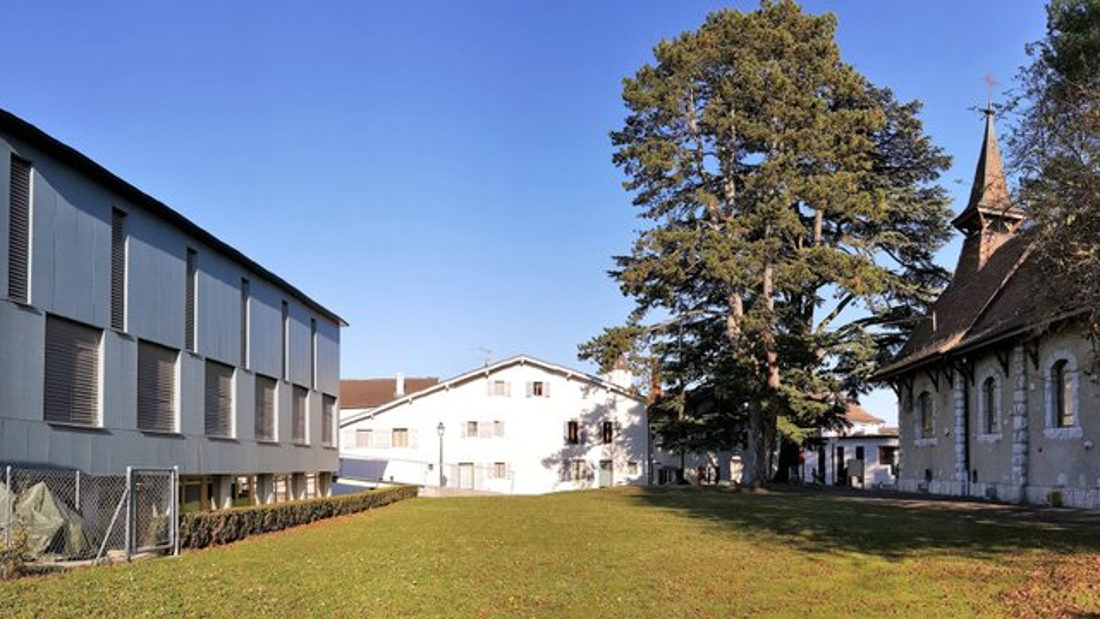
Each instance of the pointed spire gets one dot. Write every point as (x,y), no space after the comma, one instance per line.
(989,194)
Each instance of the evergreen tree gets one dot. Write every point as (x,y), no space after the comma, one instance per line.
(776,183)
(1056,147)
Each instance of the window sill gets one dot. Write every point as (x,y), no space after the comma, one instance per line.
(267,441)
(990,438)
(300,444)
(62,425)
(925,442)
(1062,433)
(330,447)
(164,433)
(224,439)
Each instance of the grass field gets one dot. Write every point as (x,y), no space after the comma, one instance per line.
(622,553)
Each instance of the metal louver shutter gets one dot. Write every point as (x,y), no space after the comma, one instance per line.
(299,413)
(219,399)
(156,388)
(328,407)
(71,391)
(118,269)
(19,228)
(189,310)
(265,408)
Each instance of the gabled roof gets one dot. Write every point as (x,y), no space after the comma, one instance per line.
(23,130)
(373,392)
(486,371)
(854,413)
(1002,296)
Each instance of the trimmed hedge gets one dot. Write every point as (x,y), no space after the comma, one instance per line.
(202,529)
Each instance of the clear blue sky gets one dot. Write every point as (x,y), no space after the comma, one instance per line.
(437,173)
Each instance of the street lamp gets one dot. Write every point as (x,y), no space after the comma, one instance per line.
(439,429)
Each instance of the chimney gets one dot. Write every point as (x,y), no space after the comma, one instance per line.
(398,385)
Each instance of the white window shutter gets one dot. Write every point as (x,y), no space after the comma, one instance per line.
(498,428)
(463,424)
(508,389)
(489,386)
(485,429)
(530,390)
(546,389)
(412,437)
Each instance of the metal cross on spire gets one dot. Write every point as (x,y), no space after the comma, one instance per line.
(990,82)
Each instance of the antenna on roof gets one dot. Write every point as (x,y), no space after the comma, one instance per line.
(488,353)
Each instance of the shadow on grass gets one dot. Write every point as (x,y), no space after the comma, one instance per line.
(887,526)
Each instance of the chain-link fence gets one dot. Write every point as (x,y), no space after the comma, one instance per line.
(52,515)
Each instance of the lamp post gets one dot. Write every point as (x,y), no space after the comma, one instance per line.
(439,429)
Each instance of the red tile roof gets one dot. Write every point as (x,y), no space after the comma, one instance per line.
(372,392)
(855,413)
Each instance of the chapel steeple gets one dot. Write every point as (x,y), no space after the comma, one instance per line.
(990,218)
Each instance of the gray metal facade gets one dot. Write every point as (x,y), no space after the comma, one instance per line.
(70,270)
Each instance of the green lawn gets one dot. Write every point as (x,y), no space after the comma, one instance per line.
(629,552)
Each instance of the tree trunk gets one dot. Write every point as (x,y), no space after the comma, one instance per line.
(762,418)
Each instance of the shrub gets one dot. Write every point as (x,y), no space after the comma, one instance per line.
(202,529)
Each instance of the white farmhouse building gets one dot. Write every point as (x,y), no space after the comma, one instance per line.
(864,454)
(130,337)
(519,426)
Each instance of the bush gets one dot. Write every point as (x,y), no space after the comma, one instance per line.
(202,529)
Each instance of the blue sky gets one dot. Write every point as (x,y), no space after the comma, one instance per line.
(437,173)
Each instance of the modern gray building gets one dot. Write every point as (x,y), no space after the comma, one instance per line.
(129,336)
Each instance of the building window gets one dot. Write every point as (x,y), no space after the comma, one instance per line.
(156,388)
(328,410)
(989,406)
(286,341)
(573,432)
(471,429)
(192,299)
(632,467)
(400,437)
(924,414)
(363,438)
(246,294)
(19,229)
(1061,384)
(71,392)
(313,353)
(500,388)
(118,269)
(500,470)
(498,429)
(265,408)
(578,470)
(219,399)
(607,432)
(538,389)
(299,404)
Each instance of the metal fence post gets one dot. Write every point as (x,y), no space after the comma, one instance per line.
(77,499)
(175,510)
(129,511)
(10,496)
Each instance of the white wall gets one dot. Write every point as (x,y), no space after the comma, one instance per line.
(69,277)
(533,445)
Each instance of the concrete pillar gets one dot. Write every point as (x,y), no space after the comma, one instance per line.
(222,498)
(958,392)
(1020,432)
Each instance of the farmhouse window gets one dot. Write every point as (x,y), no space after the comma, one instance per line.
(400,437)
(607,432)
(573,432)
